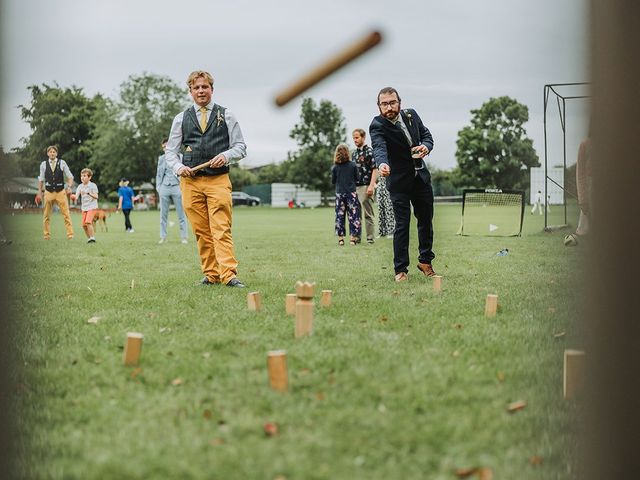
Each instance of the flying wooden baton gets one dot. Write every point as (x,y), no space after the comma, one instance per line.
(322,71)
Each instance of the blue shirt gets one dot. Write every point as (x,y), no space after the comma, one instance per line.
(127,197)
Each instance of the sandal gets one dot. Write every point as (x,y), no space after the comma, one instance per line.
(352,242)
(341,242)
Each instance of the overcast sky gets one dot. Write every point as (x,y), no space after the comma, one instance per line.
(444,58)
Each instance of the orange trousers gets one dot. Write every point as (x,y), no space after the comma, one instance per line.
(61,199)
(207,202)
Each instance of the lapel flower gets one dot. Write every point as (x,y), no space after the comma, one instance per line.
(408,114)
(219,118)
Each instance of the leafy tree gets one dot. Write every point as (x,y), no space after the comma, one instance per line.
(320,130)
(129,130)
(241,177)
(273,173)
(494,151)
(57,116)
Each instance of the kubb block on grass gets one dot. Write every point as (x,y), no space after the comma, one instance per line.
(491,305)
(573,373)
(325,299)
(437,283)
(254,301)
(133,348)
(290,303)
(277,367)
(304,308)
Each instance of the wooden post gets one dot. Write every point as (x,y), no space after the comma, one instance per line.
(325,300)
(254,302)
(132,348)
(290,303)
(491,306)
(573,373)
(304,308)
(437,283)
(277,367)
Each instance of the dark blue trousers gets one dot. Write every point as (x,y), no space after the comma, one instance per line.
(420,196)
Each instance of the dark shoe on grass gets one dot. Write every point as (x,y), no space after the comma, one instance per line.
(206,281)
(234,282)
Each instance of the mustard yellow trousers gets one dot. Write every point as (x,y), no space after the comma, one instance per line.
(61,199)
(206,200)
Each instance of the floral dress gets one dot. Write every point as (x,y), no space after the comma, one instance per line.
(386,219)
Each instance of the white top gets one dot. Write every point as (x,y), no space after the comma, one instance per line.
(88,202)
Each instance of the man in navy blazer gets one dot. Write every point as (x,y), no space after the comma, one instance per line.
(400,142)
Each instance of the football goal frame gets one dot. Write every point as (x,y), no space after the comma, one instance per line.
(561,101)
(486,193)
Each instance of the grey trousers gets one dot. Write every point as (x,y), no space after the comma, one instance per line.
(366,203)
(167,195)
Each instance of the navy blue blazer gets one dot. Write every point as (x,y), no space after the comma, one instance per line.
(390,146)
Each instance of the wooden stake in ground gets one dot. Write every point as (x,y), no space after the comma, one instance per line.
(277,367)
(573,372)
(254,301)
(304,308)
(437,283)
(491,306)
(133,348)
(325,300)
(290,303)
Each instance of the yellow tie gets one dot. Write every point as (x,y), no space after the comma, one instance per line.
(203,118)
(53,164)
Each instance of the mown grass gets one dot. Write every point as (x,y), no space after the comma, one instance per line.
(396,382)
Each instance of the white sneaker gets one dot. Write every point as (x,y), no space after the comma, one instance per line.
(131,230)
(162,240)
(184,240)
(91,240)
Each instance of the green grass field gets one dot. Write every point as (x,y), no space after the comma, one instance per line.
(396,382)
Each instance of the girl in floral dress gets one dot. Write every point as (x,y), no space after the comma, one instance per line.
(343,175)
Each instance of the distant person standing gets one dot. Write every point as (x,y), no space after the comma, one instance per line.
(51,182)
(583,183)
(89,193)
(168,187)
(125,202)
(208,132)
(362,157)
(344,175)
(537,204)
(400,142)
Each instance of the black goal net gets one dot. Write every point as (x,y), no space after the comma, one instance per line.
(492,212)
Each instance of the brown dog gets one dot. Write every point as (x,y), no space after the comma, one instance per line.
(101,218)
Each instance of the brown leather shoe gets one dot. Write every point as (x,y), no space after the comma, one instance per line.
(401,277)
(427,269)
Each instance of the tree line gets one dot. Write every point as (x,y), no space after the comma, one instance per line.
(121,138)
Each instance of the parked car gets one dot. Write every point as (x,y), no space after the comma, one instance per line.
(242,198)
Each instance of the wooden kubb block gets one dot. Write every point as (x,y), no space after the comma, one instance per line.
(437,283)
(290,303)
(133,348)
(325,299)
(573,373)
(277,367)
(491,305)
(254,301)
(304,317)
